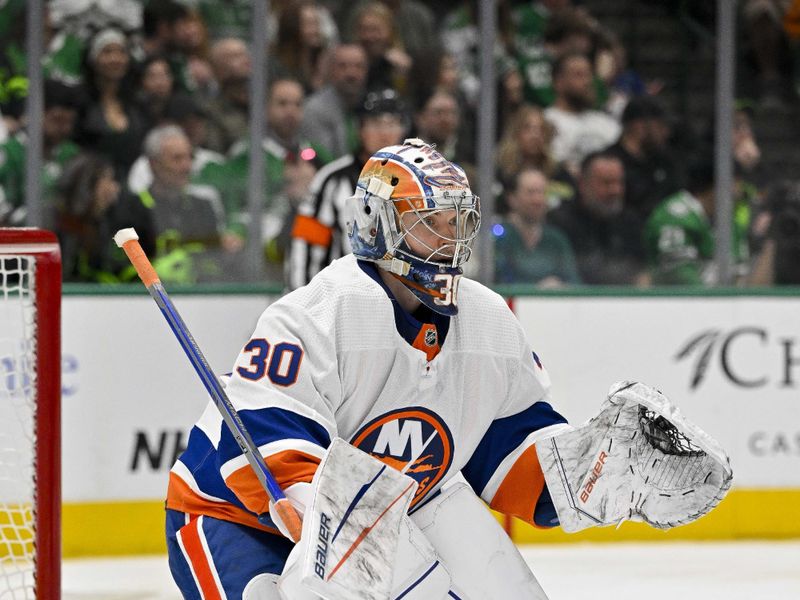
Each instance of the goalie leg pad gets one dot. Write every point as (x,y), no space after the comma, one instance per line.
(639,459)
(352,531)
(419,574)
(482,560)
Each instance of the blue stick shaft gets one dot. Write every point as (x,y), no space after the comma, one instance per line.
(215,390)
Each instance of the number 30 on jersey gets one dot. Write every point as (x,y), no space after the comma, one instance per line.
(281,362)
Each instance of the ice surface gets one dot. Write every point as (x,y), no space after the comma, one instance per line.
(656,571)
(669,571)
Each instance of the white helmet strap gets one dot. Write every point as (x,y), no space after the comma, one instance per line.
(379,188)
(395,265)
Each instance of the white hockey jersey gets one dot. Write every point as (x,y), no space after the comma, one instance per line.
(327,360)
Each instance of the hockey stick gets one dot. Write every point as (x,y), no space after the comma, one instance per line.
(129,242)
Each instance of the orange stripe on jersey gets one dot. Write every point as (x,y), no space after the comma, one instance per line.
(521,488)
(292,466)
(182,498)
(197,558)
(427,341)
(288,467)
(309,229)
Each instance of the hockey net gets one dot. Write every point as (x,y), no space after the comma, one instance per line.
(30,428)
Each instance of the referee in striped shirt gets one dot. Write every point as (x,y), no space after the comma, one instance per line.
(319,233)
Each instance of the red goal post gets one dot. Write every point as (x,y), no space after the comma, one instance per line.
(30,414)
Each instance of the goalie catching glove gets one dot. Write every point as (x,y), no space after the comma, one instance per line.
(639,459)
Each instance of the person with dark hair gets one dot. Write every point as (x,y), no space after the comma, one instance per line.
(449,80)
(61,106)
(191,41)
(158,23)
(679,235)
(290,162)
(376,30)
(544,33)
(87,210)
(111,123)
(165,28)
(580,129)
(438,121)
(415,42)
(651,171)
(299,47)
(155,88)
(776,248)
(604,234)
(229,110)
(319,234)
(769,27)
(528,249)
(746,148)
(329,118)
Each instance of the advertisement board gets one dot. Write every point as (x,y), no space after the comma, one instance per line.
(731,364)
(130,395)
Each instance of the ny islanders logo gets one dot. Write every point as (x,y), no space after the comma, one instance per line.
(414,440)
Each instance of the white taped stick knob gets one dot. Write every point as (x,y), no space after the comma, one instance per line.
(125,235)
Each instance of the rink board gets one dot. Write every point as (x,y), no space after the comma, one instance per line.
(731,363)
(121,528)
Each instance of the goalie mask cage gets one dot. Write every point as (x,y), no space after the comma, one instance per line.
(30,420)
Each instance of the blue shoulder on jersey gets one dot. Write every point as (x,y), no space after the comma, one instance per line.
(270,425)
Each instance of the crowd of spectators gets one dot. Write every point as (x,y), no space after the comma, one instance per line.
(146,109)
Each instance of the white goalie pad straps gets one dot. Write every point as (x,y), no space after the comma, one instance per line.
(351,530)
(639,459)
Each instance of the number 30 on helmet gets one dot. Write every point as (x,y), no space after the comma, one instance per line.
(414,215)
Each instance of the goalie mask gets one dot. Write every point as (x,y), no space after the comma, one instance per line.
(414,215)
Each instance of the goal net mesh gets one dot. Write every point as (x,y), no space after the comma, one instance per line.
(17,427)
